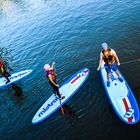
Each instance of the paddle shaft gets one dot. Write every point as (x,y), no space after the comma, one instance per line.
(131,61)
(127,62)
(62,110)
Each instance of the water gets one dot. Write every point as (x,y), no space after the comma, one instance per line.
(70,33)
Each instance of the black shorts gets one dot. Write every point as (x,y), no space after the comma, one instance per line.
(4,72)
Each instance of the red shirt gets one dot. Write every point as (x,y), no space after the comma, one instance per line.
(1,63)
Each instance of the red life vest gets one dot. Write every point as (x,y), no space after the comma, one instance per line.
(1,63)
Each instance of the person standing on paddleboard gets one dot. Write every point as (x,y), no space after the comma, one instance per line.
(51,75)
(110,58)
(3,71)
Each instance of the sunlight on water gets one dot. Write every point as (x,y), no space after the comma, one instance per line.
(69,32)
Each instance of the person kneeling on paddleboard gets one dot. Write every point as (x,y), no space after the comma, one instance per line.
(51,75)
(3,71)
(110,58)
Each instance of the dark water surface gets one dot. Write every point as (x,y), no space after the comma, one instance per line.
(68,32)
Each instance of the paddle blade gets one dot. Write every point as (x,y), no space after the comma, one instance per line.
(62,110)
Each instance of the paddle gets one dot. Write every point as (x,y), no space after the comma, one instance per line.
(130,61)
(62,110)
(127,62)
(10,68)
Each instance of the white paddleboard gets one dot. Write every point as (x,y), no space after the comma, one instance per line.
(68,89)
(14,77)
(121,97)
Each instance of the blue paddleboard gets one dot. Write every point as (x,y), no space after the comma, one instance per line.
(121,97)
(68,89)
(14,77)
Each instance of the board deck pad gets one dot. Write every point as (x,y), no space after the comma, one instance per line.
(68,89)
(14,77)
(121,97)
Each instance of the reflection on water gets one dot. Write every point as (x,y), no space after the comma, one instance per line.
(69,110)
(18,90)
(70,114)
(17,94)
(8,7)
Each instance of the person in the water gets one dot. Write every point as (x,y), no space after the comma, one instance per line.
(110,58)
(51,75)
(3,70)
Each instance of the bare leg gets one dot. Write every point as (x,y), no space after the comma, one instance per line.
(108,79)
(108,76)
(117,73)
(120,79)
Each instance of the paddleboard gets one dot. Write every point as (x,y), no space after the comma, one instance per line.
(121,97)
(14,77)
(68,89)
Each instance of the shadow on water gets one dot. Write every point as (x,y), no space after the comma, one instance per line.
(70,114)
(69,110)
(18,90)
(17,95)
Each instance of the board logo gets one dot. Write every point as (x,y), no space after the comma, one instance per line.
(48,106)
(129,113)
(83,73)
(112,76)
(19,75)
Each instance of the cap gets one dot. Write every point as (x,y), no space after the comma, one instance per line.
(104,45)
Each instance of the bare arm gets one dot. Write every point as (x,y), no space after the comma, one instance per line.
(51,80)
(100,62)
(117,59)
(52,66)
